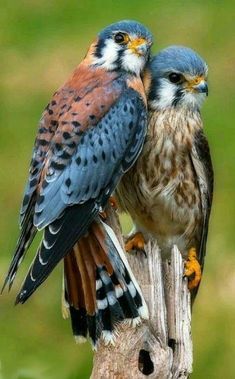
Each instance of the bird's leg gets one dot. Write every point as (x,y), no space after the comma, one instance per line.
(135,243)
(193,269)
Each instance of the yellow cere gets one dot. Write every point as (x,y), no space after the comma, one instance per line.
(195,81)
(135,43)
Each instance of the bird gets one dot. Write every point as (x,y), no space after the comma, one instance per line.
(89,135)
(168,192)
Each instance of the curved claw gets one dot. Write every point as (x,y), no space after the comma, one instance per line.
(135,243)
(193,269)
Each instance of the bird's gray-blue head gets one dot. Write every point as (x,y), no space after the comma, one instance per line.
(124,45)
(178,79)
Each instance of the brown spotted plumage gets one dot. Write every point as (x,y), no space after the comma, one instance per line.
(90,133)
(168,191)
(166,186)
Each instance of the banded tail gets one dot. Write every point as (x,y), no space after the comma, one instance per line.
(99,288)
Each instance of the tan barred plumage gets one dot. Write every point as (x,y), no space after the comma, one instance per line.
(168,192)
(161,191)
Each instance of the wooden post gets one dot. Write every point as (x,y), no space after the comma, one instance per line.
(160,348)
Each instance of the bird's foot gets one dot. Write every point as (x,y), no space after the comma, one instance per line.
(192,269)
(135,243)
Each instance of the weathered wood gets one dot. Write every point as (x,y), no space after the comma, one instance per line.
(160,348)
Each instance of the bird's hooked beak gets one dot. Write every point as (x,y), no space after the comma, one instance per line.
(199,85)
(139,46)
(202,87)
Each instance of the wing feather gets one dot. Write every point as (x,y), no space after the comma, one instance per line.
(106,150)
(71,111)
(202,164)
(71,212)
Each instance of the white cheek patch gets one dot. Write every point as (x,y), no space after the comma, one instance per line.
(132,62)
(193,100)
(165,95)
(129,60)
(109,55)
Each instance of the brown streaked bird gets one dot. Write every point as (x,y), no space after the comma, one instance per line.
(168,192)
(89,135)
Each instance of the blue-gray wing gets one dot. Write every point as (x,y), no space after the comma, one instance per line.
(70,201)
(104,152)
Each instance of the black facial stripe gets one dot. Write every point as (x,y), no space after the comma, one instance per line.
(119,59)
(99,47)
(178,96)
(117,64)
(99,50)
(153,91)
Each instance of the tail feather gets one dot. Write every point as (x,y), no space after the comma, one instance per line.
(107,303)
(94,329)
(108,283)
(87,271)
(79,323)
(100,289)
(27,235)
(121,272)
(59,238)
(75,281)
(123,269)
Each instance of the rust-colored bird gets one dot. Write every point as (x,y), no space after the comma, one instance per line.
(89,135)
(168,192)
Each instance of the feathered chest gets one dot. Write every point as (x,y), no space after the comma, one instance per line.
(165,158)
(162,183)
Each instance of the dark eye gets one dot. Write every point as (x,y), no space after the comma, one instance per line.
(175,78)
(120,38)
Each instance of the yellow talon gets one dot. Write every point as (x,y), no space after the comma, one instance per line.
(136,242)
(193,269)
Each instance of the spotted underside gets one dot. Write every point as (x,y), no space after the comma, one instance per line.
(168,192)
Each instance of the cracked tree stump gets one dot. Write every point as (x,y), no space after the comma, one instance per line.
(160,348)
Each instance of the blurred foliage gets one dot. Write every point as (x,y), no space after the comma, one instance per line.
(41,42)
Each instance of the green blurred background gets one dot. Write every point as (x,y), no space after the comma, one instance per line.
(41,42)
